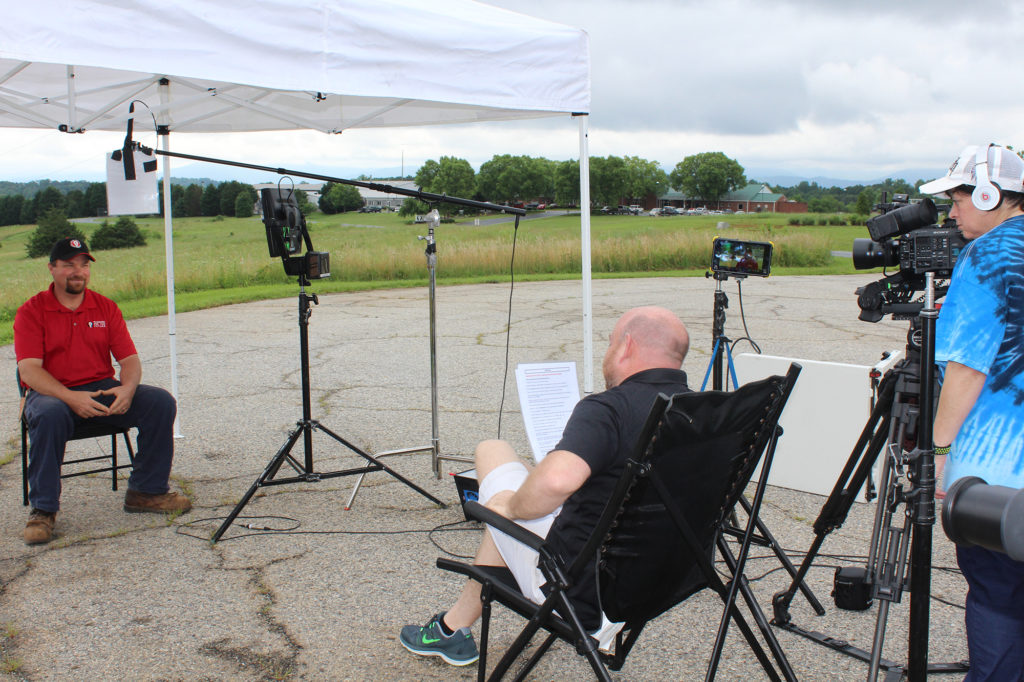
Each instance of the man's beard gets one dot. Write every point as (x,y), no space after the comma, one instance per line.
(74,287)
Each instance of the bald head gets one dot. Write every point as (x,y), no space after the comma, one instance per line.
(645,338)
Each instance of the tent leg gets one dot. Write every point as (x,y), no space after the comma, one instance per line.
(165,142)
(588,320)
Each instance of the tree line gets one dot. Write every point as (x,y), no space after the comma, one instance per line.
(504,179)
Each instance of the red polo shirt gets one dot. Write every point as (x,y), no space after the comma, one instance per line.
(74,345)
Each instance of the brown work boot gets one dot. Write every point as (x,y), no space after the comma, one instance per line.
(134,501)
(39,528)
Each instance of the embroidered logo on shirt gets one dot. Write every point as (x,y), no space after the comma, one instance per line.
(97,324)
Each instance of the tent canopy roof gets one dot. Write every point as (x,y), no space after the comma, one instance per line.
(284,64)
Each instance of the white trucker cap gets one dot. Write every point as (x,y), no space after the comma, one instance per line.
(1005,169)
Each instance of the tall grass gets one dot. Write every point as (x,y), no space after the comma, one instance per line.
(231,254)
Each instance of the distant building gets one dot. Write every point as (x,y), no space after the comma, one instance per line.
(756,197)
(370,197)
(312,190)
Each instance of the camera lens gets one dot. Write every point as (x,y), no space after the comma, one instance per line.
(868,254)
(903,220)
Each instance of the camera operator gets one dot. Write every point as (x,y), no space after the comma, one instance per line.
(979,425)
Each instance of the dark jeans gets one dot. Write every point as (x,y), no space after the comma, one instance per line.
(51,422)
(995,615)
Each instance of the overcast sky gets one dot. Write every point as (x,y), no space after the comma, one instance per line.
(855,90)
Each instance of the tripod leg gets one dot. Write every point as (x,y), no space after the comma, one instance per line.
(268,473)
(773,544)
(378,464)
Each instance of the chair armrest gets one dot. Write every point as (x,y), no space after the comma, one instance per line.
(477,511)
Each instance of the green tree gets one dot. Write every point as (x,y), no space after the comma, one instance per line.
(229,195)
(450,175)
(865,200)
(609,180)
(123,234)
(567,182)
(194,199)
(826,204)
(96,199)
(53,225)
(47,199)
(10,209)
(511,178)
(243,205)
(644,177)
(455,177)
(426,175)
(411,207)
(324,203)
(76,203)
(343,198)
(303,202)
(708,175)
(210,203)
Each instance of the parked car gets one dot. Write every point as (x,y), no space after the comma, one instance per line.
(654,211)
(369,209)
(532,206)
(668,210)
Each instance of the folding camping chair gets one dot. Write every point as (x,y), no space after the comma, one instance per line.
(86,429)
(656,538)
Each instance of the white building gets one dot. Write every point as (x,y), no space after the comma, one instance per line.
(370,197)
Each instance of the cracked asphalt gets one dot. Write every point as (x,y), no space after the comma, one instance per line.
(300,588)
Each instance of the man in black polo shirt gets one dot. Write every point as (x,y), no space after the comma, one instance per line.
(562,498)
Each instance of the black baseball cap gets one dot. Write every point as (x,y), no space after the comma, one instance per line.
(68,248)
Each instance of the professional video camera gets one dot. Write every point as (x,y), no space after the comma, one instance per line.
(904,235)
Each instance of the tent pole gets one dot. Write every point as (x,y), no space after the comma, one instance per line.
(164,132)
(588,321)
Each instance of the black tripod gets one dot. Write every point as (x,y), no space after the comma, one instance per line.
(305,470)
(721,355)
(901,417)
(721,352)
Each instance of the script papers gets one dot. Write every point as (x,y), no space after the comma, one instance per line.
(548,391)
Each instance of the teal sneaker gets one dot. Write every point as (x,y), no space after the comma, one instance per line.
(459,649)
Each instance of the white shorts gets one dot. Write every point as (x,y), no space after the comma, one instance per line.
(519,558)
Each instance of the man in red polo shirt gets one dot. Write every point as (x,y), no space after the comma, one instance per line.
(64,338)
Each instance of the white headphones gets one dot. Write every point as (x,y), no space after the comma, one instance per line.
(986,195)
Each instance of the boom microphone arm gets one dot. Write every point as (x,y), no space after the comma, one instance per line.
(388,189)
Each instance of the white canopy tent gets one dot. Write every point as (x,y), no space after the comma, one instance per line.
(328,65)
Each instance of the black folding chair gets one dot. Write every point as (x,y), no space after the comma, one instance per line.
(656,538)
(85,429)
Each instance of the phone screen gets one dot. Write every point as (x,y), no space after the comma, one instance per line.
(741,257)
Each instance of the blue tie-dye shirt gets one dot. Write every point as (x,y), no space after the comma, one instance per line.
(981,326)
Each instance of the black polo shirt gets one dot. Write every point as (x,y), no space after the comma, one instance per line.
(603,430)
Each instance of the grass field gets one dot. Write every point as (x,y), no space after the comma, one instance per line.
(218,261)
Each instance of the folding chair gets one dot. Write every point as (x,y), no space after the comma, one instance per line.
(656,538)
(85,429)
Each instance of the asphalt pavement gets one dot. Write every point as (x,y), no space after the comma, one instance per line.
(300,587)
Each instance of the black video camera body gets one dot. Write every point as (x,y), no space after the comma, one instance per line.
(928,249)
(907,237)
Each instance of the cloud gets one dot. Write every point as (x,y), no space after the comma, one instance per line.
(857,90)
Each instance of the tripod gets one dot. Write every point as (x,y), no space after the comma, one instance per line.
(305,471)
(722,354)
(902,416)
(721,350)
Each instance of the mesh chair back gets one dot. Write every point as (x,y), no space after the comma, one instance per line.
(703,451)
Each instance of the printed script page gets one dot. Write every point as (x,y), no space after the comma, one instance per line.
(548,391)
